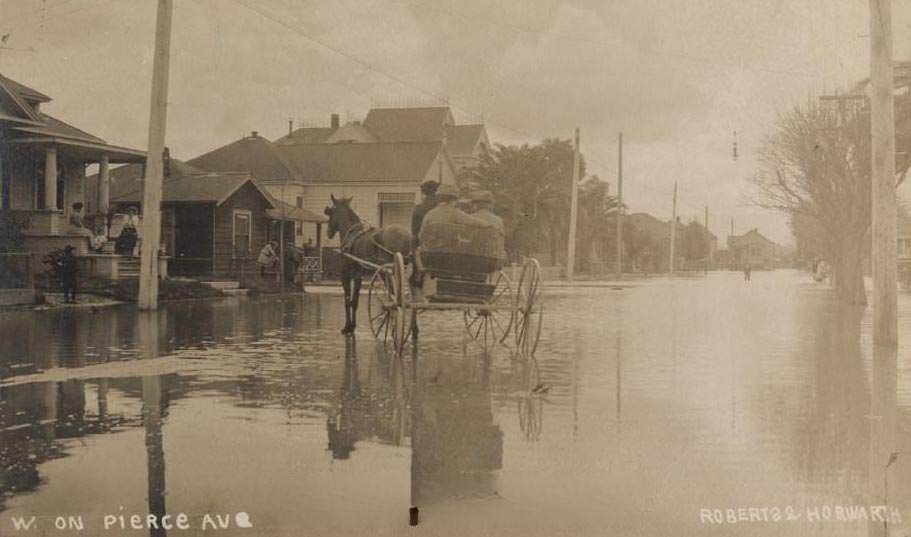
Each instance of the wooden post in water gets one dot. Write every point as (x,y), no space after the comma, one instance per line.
(574,207)
(151,192)
(882,126)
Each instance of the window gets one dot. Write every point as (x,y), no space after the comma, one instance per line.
(300,202)
(395,208)
(243,228)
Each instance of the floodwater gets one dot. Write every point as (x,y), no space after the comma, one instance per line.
(658,409)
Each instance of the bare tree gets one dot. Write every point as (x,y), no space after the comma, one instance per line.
(816,168)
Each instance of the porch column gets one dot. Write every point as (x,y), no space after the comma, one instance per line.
(103,194)
(50,178)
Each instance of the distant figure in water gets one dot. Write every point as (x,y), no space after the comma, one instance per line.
(746,272)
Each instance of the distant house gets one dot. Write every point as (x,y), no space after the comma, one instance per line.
(754,249)
(657,234)
(212,223)
(42,171)
(380,162)
(382,178)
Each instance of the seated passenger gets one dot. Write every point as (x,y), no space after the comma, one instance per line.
(446,212)
(483,209)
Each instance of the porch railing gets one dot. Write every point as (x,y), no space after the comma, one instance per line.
(16,270)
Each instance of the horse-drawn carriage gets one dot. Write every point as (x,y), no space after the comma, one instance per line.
(459,267)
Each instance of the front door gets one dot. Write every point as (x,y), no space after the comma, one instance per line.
(192,255)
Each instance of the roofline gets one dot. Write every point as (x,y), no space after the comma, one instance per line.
(124,151)
(360,182)
(259,189)
(437,107)
(24,121)
(18,100)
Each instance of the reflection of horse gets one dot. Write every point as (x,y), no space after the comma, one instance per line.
(365,242)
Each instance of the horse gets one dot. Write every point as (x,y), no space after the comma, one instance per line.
(365,242)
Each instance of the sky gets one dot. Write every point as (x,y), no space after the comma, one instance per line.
(677,77)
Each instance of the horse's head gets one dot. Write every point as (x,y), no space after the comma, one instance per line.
(341,215)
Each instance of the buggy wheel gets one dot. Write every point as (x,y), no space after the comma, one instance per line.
(400,328)
(381,303)
(489,327)
(529,309)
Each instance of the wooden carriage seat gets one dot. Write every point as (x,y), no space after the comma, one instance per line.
(461,251)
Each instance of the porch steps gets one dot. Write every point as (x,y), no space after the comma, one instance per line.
(222,285)
(128,269)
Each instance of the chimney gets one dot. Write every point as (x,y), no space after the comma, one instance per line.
(334,121)
(290,128)
(254,134)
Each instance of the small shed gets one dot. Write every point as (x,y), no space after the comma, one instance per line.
(213,224)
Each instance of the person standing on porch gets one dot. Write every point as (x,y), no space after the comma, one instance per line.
(268,258)
(68,275)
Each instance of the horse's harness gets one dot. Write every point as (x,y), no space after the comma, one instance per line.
(358,230)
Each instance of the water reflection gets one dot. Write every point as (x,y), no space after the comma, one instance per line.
(456,447)
(353,432)
(153,410)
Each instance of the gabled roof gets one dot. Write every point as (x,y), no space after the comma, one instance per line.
(206,188)
(750,236)
(57,128)
(15,100)
(383,162)
(408,124)
(253,154)
(462,139)
(125,179)
(25,91)
(306,135)
(351,132)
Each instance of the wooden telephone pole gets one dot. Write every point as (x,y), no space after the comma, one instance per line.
(620,207)
(882,126)
(151,193)
(571,254)
(708,241)
(673,231)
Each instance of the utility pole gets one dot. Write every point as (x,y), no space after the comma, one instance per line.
(882,126)
(151,193)
(620,207)
(708,241)
(673,231)
(281,239)
(571,254)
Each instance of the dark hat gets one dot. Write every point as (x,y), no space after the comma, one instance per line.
(481,195)
(429,187)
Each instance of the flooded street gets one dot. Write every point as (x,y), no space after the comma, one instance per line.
(632,419)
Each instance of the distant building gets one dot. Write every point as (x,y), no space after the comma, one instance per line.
(754,249)
(380,162)
(212,223)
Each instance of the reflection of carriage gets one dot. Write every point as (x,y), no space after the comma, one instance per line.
(461,269)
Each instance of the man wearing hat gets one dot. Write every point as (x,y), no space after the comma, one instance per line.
(447,211)
(483,209)
(428,190)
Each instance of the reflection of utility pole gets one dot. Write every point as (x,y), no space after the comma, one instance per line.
(620,207)
(574,202)
(151,193)
(151,417)
(882,126)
